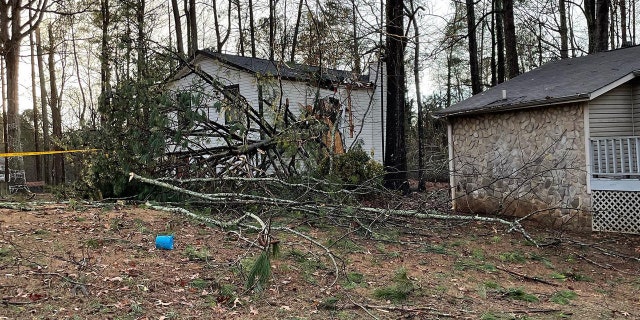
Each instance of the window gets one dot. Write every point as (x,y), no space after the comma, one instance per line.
(184,100)
(233,112)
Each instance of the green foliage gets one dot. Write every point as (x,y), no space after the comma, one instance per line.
(199,283)
(520,294)
(563,297)
(195,254)
(399,291)
(329,303)
(433,248)
(352,168)
(516,257)
(260,272)
(575,276)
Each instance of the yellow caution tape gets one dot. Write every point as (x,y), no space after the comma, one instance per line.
(39,153)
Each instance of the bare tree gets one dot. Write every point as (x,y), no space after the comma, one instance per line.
(564,38)
(46,140)
(510,40)
(56,114)
(395,153)
(36,138)
(12,31)
(476,86)
(178,26)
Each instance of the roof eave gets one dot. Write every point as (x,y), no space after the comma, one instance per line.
(526,105)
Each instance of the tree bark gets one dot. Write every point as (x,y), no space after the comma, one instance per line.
(416,76)
(476,85)
(494,75)
(240,33)
(192,26)
(602,25)
(178,23)
(12,61)
(590,16)
(564,38)
(252,32)
(395,155)
(296,30)
(623,22)
(272,29)
(500,41)
(36,137)
(356,42)
(46,140)
(510,41)
(56,115)
(105,58)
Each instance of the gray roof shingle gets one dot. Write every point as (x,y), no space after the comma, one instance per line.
(286,70)
(561,81)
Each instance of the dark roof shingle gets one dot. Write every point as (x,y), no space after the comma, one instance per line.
(286,70)
(561,81)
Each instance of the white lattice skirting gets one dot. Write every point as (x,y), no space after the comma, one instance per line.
(616,211)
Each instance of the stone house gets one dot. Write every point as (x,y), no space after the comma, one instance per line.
(560,143)
(280,90)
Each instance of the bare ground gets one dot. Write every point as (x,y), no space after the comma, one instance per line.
(79,261)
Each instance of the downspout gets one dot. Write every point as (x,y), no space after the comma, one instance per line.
(452,181)
(382,106)
(587,145)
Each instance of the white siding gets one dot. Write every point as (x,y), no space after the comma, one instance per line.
(366,103)
(636,105)
(611,114)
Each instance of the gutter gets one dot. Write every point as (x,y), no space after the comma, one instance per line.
(506,107)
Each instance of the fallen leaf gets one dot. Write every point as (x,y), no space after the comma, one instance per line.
(252,310)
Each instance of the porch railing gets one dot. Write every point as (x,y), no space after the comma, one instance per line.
(616,157)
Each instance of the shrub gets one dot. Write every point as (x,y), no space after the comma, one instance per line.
(354,167)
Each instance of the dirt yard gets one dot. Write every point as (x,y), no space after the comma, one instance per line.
(77,261)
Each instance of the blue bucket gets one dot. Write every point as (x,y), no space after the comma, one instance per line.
(164,242)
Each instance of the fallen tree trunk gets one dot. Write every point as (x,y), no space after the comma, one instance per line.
(311,206)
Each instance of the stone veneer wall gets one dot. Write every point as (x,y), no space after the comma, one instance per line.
(520,162)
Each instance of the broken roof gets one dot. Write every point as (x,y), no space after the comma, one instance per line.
(285,70)
(562,81)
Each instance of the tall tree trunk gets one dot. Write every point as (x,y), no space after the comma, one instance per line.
(416,77)
(46,139)
(355,52)
(252,32)
(623,21)
(216,25)
(272,29)
(141,52)
(590,16)
(192,26)
(5,127)
(105,57)
(12,63)
(56,115)
(564,39)
(510,41)
(602,25)
(76,63)
(240,30)
(476,85)
(178,23)
(296,30)
(612,27)
(494,76)
(36,136)
(395,154)
(500,41)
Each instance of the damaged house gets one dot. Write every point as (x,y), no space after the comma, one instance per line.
(233,109)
